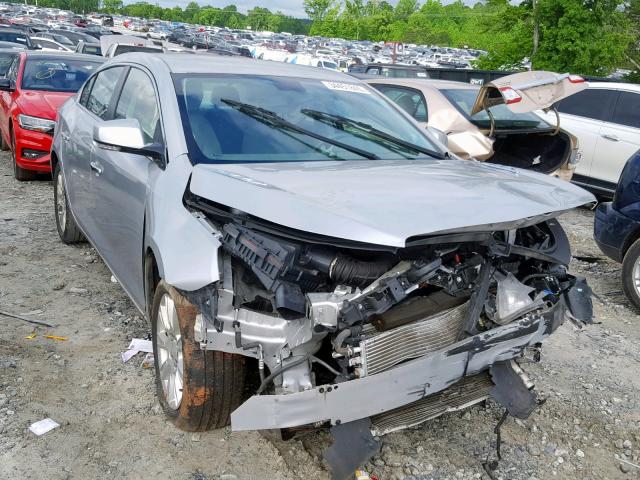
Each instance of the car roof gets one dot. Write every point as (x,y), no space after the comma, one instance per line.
(182,63)
(63,55)
(615,86)
(12,29)
(418,82)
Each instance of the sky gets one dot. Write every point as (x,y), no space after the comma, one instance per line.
(288,7)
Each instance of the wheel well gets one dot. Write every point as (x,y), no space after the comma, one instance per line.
(630,240)
(54,161)
(151,279)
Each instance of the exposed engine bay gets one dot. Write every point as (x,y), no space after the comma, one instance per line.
(396,336)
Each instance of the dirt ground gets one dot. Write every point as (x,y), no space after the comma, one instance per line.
(112,427)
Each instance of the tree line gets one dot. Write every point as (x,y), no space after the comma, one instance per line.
(589,37)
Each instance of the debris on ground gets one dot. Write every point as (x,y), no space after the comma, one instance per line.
(43,426)
(136,346)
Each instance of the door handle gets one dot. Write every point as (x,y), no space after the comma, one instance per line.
(65,136)
(96,167)
(613,138)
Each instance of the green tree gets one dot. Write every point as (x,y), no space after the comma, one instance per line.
(112,6)
(317,9)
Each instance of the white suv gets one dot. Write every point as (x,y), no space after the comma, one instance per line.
(606,120)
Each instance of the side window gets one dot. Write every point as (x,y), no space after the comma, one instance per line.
(411,101)
(627,110)
(46,44)
(12,74)
(138,100)
(101,95)
(84,96)
(594,103)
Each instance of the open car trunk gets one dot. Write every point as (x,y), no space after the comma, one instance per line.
(542,152)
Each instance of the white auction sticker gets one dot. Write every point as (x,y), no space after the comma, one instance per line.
(346,87)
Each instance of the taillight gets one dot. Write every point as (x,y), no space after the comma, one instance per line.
(576,79)
(510,95)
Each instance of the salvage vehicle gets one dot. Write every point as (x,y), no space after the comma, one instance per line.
(293,224)
(507,133)
(35,85)
(616,228)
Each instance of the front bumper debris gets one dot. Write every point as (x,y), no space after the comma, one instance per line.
(402,385)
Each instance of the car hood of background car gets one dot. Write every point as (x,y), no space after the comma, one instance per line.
(387,202)
(42,104)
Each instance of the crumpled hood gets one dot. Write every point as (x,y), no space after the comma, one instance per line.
(387,202)
(42,104)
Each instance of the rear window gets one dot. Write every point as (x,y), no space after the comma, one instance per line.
(627,110)
(120,49)
(56,75)
(14,37)
(464,99)
(92,50)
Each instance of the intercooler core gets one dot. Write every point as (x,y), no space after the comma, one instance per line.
(383,350)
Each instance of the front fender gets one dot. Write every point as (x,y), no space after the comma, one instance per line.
(186,249)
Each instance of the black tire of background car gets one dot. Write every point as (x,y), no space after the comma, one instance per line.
(213,382)
(69,232)
(628,284)
(4,146)
(19,173)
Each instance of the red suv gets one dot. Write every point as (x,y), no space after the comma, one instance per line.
(36,84)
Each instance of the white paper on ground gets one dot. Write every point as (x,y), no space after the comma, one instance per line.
(137,345)
(141,345)
(43,426)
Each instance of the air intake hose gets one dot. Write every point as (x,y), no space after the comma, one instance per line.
(346,270)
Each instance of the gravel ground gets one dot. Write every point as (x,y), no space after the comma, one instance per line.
(112,426)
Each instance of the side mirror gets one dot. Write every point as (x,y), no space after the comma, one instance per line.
(125,136)
(439,134)
(5,85)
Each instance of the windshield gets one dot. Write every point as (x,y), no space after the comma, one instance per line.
(464,98)
(56,74)
(15,37)
(241,118)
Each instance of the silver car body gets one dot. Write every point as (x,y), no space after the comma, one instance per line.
(129,206)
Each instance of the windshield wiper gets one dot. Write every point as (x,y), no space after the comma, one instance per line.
(339,120)
(274,120)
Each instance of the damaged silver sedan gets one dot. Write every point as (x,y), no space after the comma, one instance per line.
(306,254)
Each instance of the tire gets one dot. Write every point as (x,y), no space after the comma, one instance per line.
(212,382)
(631,270)
(19,173)
(67,227)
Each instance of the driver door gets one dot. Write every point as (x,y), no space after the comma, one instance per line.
(121,180)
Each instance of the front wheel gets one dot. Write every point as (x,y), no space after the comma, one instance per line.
(197,389)
(631,274)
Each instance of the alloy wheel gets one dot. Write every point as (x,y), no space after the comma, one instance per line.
(61,201)
(169,355)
